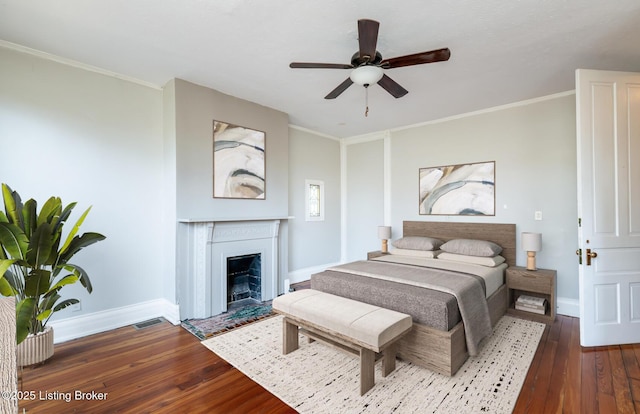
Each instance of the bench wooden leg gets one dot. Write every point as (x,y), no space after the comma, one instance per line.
(289,336)
(389,360)
(367,370)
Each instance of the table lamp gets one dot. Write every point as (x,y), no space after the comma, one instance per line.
(384,233)
(531,243)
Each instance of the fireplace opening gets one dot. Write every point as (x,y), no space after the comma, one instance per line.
(244,282)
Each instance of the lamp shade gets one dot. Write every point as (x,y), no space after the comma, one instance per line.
(366,75)
(384,232)
(531,242)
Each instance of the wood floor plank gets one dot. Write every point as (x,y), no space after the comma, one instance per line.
(555,396)
(573,386)
(603,371)
(543,378)
(621,387)
(528,387)
(630,361)
(589,384)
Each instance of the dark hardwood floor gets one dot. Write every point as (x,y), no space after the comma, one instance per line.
(164,369)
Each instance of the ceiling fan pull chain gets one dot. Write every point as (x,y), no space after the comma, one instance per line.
(366,101)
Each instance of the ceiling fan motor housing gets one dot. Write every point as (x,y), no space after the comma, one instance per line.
(356,60)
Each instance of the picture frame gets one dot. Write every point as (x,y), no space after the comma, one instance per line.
(460,189)
(239,162)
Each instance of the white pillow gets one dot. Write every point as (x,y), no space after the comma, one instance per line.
(484,261)
(415,253)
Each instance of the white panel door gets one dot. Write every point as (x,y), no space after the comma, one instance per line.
(608,127)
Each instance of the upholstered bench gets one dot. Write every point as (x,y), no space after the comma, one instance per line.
(365,329)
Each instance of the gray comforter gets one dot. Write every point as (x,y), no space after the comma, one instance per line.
(468,291)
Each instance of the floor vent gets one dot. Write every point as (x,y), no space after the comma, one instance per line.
(146,324)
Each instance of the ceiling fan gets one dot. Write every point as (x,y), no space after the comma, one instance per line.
(367,63)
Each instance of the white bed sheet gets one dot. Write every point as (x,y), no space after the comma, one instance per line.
(493,276)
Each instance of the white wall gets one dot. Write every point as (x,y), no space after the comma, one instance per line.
(97,140)
(313,243)
(533,145)
(364,198)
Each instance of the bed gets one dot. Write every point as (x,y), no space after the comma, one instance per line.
(438,340)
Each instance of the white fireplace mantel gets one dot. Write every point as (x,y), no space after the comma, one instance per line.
(204,246)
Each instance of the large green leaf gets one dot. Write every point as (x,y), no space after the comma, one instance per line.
(67,280)
(14,241)
(37,283)
(12,205)
(64,215)
(40,245)
(78,243)
(81,274)
(30,216)
(74,231)
(5,287)
(3,217)
(51,209)
(15,282)
(25,310)
(65,303)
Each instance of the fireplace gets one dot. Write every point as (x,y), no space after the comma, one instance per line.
(210,250)
(244,282)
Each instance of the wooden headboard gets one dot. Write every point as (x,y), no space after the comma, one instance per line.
(501,234)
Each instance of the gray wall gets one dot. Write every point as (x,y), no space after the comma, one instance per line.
(313,157)
(533,146)
(196,108)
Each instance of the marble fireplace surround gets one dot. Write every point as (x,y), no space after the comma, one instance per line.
(205,246)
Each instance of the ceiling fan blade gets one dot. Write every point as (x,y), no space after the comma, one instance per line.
(368,37)
(438,55)
(305,65)
(392,87)
(341,88)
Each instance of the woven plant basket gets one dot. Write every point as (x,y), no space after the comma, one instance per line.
(35,348)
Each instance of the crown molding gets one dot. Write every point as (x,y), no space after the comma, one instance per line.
(69,62)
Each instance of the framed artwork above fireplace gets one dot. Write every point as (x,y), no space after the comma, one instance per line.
(238,162)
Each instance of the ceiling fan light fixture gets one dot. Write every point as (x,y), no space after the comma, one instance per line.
(366,75)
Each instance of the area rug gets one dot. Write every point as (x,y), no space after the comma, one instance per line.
(320,379)
(215,325)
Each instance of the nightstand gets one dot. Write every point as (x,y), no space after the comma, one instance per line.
(540,283)
(373,255)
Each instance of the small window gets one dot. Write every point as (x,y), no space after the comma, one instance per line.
(314,194)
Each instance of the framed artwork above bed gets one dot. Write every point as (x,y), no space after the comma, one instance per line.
(462,189)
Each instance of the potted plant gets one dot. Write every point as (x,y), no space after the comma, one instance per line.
(34,267)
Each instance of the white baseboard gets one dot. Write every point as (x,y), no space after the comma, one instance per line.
(83,325)
(302,275)
(568,307)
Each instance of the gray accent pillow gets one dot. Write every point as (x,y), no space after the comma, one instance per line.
(470,247)
(417,243)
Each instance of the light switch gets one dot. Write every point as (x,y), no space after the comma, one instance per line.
(538,215)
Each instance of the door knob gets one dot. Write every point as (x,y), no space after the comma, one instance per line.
(590,255)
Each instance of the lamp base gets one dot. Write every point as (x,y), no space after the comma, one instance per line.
(385,246)
(531,261)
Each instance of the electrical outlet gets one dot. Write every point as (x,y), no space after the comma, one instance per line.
(538,215)
(75,307)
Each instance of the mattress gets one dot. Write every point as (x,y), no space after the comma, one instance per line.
(433,308)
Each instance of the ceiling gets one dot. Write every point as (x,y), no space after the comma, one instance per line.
(501,51)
